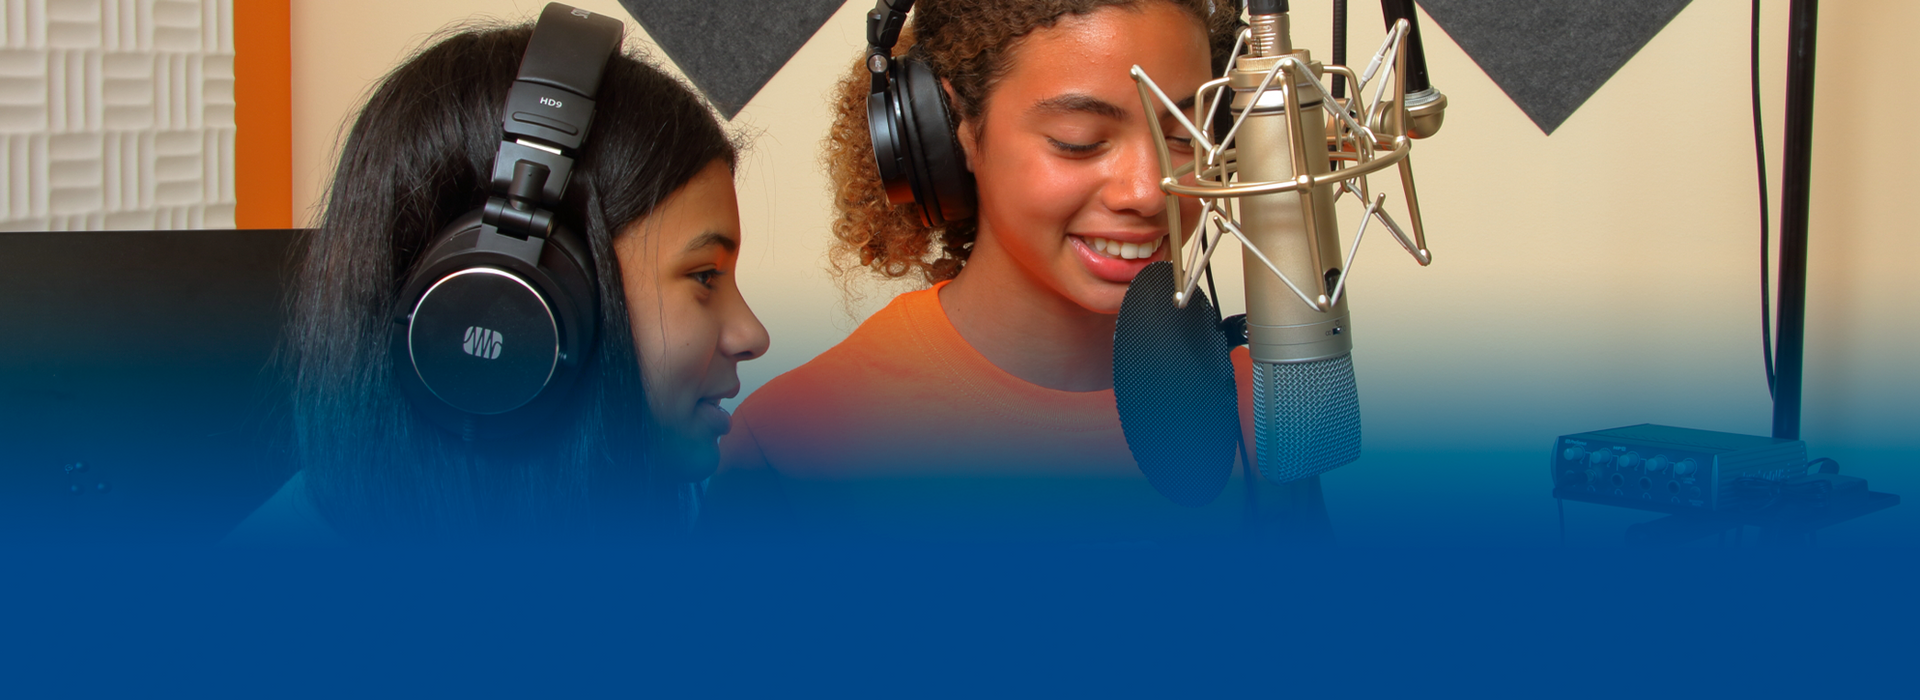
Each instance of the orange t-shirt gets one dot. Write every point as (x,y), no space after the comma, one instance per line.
(903,430)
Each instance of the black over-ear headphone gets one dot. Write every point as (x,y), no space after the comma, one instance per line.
(498,315)
(908,118)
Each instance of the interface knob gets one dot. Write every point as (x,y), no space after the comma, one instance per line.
(1685,467)
(1657,464)
(1573,453)
(1600,458)
(1628,460)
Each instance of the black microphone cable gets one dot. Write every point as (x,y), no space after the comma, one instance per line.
(1340,46)
(1250,503)
(1766,238)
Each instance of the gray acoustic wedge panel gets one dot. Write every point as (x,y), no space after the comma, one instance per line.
(731,48)
(1550,56)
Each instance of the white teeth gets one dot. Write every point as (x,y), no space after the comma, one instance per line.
(1124,251)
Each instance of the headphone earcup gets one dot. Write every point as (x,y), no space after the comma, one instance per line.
(490,330)
(936,167)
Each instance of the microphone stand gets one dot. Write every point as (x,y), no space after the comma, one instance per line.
(1796,180)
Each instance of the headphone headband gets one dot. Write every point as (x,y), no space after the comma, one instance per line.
(548,113)
(883,29)
(569,49)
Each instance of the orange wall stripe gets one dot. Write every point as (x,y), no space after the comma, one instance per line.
(263,114)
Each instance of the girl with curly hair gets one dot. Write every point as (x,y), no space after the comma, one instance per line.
(983,406)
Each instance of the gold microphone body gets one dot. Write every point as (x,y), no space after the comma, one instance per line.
(1307,249)
(1306,407)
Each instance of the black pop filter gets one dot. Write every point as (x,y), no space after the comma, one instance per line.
(1173,383)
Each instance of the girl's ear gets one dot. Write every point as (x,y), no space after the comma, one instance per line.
(967,132)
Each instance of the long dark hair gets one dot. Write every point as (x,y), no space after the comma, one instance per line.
(416,158)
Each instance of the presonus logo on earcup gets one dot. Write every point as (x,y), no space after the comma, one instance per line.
(482,343)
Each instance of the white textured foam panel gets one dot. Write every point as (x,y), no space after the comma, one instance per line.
(116,114)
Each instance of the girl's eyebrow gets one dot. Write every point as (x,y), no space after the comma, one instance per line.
(712,238)
(1076,103)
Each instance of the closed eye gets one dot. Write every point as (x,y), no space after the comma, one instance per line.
(1075,148)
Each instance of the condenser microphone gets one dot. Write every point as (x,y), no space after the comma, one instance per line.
(1306,407)
(1269,177)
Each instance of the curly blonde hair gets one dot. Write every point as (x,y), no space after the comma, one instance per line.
(968,43)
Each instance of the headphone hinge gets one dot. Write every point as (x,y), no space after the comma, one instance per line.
(519,213)
(559,169)
(513,221)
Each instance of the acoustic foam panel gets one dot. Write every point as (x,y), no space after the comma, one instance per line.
(116,114)
(731,48)
(1550,57)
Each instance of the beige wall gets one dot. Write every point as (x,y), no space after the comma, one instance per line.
(1602,276)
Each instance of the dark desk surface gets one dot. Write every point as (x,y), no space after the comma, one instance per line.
(1777,524)
(147,357)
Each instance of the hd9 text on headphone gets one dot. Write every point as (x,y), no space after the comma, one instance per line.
(911,126)
(496,318)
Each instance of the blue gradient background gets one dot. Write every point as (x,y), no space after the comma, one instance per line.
(955,622)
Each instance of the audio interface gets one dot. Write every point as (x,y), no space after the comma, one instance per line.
(1660,467)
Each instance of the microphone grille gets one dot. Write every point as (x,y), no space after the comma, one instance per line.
(1306,417)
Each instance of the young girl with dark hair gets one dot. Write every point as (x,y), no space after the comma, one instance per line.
(983,406)
(651,196)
